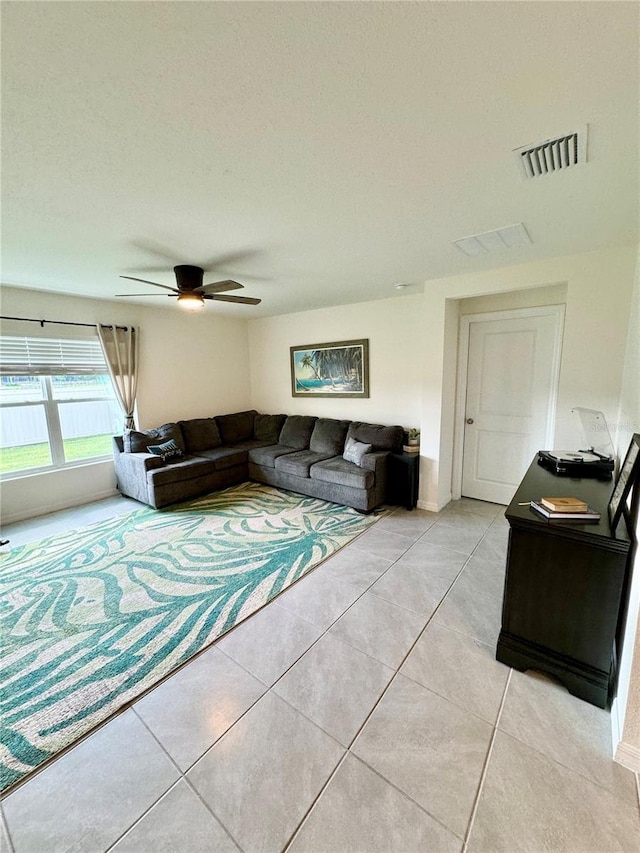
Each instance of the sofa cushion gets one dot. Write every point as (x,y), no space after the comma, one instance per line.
(236,427)
(137,441)
(328,436)
(184,469)
(342,473)
(378,436)
(225,457)
(296,431)
(267,455)
(354,451)
(166,451)
(267,427)
(200,434)
(298,463)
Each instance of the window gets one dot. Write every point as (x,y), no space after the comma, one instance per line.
(57,404)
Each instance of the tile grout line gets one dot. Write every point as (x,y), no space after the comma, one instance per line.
(6,828)
(143,815)
(485,768)
(312,805)
(418,638)
(182,777)
(270,688)
(396,673)
(391,681)
(566,767)
(404,793)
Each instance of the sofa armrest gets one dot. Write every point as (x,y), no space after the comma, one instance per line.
(375,461)
(131,473)
(140,463)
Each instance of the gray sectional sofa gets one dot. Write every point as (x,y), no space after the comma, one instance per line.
(297,452)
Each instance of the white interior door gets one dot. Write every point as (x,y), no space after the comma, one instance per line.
(512,375)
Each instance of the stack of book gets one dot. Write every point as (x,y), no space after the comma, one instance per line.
(565,509)
(411,448)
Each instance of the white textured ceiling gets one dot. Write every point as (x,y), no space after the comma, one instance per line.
(317,152)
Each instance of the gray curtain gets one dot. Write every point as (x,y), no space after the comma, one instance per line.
(120,348)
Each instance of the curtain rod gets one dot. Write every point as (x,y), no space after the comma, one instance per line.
(62,323)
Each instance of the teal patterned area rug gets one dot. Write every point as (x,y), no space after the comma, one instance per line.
(92,618)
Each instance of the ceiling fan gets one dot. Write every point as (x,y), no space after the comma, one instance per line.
(190,291)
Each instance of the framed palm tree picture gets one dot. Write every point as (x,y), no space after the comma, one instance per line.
(338,369)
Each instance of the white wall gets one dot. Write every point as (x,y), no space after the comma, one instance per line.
(396,355)
(598,295)
(191,365)
(626,709)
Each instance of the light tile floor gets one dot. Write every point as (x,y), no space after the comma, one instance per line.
(363,710)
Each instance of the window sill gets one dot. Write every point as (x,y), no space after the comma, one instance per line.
(10,476)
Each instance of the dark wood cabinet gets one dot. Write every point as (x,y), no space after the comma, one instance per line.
(565,589)
(403,479)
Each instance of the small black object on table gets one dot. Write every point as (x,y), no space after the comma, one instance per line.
(566,588)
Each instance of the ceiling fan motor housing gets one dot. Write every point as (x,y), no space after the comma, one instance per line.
(188,277)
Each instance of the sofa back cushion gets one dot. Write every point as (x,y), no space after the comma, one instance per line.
(236,427)
(137,441)
(328,436)
(296,431)
(200,434)
(378,436)
(267,427)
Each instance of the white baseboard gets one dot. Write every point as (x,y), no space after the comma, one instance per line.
(45,509)
(628,756)
(616,727)
(428,506)
(433,507)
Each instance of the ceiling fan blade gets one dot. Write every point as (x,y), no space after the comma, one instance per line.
(148,294)
(229,260)
(154,283)
(222,286)
(245,300)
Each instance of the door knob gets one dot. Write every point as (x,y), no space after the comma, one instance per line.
(469,420)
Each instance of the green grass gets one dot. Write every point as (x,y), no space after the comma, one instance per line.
(37,455)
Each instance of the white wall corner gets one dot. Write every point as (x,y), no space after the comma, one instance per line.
(434,507)
(628,756)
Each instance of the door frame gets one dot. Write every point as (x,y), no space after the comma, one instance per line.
(464,327)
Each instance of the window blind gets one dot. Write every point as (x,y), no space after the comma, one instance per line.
(21,355)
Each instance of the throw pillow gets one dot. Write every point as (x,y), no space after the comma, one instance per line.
(136,441)
(355,450)
(168,450)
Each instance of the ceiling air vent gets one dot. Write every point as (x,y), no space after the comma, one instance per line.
(493,241)
(553,155)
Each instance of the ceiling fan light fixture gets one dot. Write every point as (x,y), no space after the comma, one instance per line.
(190,301)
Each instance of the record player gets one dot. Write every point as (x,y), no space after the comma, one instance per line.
(595,461)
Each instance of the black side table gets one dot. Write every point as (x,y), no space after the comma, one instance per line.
(404,479)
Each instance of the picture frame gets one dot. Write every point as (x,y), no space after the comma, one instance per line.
(336,369)
(629,471)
